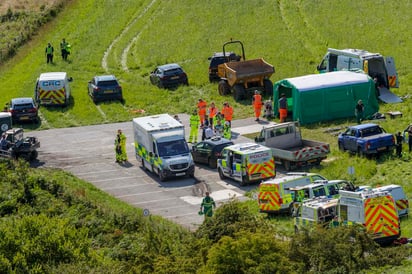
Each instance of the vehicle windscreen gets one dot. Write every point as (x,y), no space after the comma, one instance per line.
(173,71)
(110,83)
(172,148)
(23,106)
(370,131)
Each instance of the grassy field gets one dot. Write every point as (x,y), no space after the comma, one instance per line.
(129,38)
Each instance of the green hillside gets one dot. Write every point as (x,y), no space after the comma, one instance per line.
(129,38)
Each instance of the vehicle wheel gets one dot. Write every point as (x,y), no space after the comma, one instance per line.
(221,176)
(212,163)
(143,165)
(244,181)
(161,176)
(360,152)
(33,155)
(25,156)
(296,229)
(268,88)
(239,92)
(223,88)
(291,209)
(341,147)
(286,165)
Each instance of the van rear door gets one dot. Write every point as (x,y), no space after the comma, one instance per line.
(392,73)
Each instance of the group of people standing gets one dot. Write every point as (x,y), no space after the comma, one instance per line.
(212,121)
(65,49)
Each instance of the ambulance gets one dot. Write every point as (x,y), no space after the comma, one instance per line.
(161,148)
(398,194)
(53,89)
(246,163)
(317,211)
(277,195)
(321,188)
(372,208)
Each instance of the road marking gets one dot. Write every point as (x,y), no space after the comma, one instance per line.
(219,195)
(170,207)
(122,187)
(153,201)
(226,185)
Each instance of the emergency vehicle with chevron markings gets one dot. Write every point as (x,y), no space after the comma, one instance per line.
(373,209)
(288,147)
(161,147)
(277,195)
(53,89)
(246,163)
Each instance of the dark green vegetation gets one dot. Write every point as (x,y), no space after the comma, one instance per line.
(129,38)
(52,222)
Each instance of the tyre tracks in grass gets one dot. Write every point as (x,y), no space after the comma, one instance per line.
(298,24)
(129,26)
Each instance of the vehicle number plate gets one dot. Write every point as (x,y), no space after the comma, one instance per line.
(108,91)
(381,148)
(174,77)
(180,174)
(24,118)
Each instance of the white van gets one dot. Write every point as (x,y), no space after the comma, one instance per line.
(398,194)
(53,89)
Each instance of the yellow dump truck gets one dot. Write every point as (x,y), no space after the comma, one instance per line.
(242,77)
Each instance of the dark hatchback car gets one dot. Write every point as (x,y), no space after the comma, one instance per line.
(169,76)
(23,110)
(209,150)
(105,87)
(217,59)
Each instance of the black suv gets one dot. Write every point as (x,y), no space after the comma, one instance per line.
(169,76)
(105,87)
(209,150)
(217,59)
(23,109)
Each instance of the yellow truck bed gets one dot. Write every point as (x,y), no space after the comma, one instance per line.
(245,71)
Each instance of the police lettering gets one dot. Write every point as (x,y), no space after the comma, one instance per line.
(260,155)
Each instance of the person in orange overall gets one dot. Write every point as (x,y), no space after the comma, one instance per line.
(212,113)
(257,104)
(227,112)
(201,107)
(283,108)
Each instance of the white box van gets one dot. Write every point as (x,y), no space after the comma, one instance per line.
(53,89)
(398,194)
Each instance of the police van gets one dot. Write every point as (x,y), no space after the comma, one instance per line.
(246,163)
(277,195)
(53,89)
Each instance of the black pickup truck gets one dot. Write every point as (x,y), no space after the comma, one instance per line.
(366,139)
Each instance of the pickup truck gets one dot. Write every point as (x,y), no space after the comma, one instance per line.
(288,147)
(366,139)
